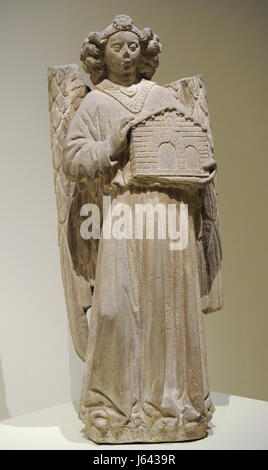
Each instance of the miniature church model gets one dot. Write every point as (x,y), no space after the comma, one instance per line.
(168,146)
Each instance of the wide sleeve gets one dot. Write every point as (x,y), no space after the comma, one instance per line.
(85,155)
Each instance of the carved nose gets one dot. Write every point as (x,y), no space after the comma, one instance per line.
(125,53)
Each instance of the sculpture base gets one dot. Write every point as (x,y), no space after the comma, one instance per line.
(147,435)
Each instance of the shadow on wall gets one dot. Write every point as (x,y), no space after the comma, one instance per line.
(76,368)
(65,416)
(4,412)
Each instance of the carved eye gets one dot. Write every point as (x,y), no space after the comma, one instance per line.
(116,47)
(133,47)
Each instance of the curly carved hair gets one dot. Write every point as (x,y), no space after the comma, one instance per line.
(92,52)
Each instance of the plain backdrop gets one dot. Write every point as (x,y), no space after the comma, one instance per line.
(226,41)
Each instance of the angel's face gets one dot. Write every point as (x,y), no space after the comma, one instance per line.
(122,53)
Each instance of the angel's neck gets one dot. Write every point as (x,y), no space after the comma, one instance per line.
(126,80)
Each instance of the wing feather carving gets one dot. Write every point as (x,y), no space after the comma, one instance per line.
(66,89)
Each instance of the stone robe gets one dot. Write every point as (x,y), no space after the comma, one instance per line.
(145,377)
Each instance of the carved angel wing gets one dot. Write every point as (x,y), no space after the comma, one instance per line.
(191,92)
(66,91)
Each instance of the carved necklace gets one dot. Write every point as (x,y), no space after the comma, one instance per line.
(129,91)
(132,97)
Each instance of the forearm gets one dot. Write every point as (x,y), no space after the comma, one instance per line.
(84,158)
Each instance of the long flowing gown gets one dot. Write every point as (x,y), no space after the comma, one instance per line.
(145,377)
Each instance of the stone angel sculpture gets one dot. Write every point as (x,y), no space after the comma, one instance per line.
(135,305)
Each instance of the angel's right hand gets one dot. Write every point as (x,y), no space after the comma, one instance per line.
(118,139)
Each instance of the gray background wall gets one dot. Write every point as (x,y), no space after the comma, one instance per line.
(225,41)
